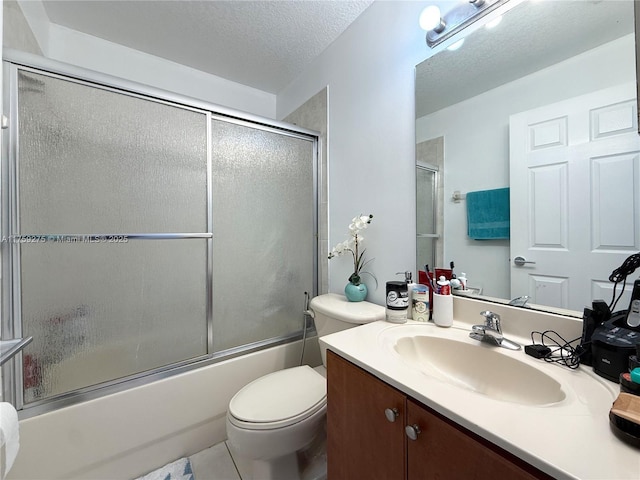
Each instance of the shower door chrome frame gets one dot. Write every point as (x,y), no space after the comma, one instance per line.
(10,324)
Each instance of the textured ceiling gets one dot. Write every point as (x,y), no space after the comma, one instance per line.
(532,36)
(262,44)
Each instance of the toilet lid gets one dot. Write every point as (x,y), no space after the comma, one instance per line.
(279,396)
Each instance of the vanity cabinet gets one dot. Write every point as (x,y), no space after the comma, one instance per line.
(361,442)
(367,436)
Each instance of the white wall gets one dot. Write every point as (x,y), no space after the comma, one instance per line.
(18,35)
(476,135)
(370,73)
(69,46)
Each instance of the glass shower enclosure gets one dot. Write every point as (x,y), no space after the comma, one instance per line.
(144,233)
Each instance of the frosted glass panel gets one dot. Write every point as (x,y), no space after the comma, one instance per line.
(426,250)
(99,312)
(95,161)
(263,202)
(425,200)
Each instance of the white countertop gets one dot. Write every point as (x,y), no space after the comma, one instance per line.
(570,439)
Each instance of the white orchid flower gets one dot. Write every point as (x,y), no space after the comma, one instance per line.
(352,245)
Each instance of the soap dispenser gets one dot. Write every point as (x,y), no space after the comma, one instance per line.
(410,285)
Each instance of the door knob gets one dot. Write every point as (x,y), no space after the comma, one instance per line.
(412,431)
(520,261)
(391,414)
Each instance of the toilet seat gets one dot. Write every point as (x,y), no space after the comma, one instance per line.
(279,399)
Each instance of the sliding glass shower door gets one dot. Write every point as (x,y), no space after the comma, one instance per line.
(264,217)
(111,226)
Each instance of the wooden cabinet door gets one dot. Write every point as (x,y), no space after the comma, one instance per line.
(444,450)
(361,442)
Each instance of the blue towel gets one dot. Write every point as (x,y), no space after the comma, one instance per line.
(488,214)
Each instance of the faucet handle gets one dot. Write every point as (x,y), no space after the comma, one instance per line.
(491,320)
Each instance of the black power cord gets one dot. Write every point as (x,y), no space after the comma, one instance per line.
(551,347)
(620,274)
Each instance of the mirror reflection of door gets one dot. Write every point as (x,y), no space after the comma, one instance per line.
(586,146)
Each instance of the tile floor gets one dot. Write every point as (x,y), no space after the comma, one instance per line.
(217,463)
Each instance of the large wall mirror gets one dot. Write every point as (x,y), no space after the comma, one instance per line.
(544,104)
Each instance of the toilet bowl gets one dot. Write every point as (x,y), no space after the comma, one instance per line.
(273,418)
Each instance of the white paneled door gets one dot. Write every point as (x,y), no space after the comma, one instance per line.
(575,197)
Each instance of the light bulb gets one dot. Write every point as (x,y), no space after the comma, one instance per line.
(430,18)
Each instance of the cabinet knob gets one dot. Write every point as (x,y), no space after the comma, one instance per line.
(412,431)
(391,414)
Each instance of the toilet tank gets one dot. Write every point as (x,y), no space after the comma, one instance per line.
(333,313)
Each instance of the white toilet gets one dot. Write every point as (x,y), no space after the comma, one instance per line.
(274,417)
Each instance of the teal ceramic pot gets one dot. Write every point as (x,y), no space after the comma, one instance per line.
(355,293)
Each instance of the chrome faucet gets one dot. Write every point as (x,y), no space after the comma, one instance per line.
(491,332)
(520,301)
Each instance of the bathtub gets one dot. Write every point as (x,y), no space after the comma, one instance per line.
(129,433)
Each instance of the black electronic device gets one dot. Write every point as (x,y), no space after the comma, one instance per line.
(633,313)
(612,343)
(591,319)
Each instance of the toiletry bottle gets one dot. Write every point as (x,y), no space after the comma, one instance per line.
(463,280)
(409,281)
(397,302)
(444,286)
(420,305)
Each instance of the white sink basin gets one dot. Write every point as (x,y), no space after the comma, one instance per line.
(483,369)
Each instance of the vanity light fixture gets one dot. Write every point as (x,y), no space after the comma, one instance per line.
(440,28)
